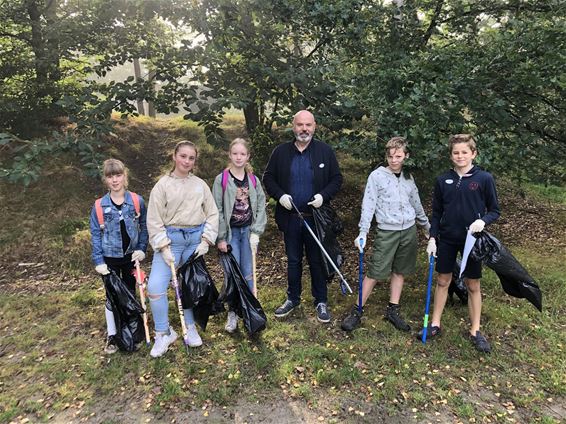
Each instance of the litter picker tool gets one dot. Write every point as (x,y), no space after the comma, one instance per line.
(254,272)
(344,286)
(175,284)
(361,277)
(428,290)
(140,278)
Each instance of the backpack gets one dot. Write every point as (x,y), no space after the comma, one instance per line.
(226,176)
(100,214)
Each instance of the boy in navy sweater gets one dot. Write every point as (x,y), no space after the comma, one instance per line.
(464,200)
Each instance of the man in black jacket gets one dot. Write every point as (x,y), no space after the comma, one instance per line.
(304,172)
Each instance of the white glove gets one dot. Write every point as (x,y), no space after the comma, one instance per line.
(102,269)
(477,226)
(360,241)
(202,248)
(431,247)
(317,201)
(254,241)
(167,255)
(138,255)
(285,201)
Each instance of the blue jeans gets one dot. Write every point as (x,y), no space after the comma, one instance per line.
(296,237)
(184,241)
(240,243)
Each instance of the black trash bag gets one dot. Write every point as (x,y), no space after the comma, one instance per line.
(198,290)
(515,280)
(238,296)
(328,226)
(457,285)
(127,312)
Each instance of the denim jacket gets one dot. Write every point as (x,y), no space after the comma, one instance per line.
(108,241)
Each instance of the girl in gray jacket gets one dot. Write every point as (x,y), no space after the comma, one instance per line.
(392,197)
(241,204)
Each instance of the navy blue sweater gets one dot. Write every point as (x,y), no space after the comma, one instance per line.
(327,178)
(459,201)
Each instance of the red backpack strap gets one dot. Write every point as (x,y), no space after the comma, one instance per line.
(136,201)
(99,214)
(225,177)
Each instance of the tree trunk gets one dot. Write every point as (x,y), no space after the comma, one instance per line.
(137,74)
(150,105)
(251,115)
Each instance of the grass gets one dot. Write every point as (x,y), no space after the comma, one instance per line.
(53,368)
(52,357)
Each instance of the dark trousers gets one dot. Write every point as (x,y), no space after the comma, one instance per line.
(296,238)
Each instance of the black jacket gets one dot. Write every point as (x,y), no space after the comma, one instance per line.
(459,201)
(327,178)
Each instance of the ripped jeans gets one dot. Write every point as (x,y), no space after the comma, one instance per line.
(184,241)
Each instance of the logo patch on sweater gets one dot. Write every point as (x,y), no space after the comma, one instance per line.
(449,181)
(473,186)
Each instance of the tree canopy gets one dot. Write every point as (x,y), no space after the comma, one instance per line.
(368,69)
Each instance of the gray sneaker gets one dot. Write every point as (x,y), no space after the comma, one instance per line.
(285,309)
(322,313)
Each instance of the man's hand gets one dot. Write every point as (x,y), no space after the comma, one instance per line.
(102,269)
(285,201)
(317,201)
(477,226)
(431,247)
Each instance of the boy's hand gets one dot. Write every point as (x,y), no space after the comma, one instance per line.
(431,247)
(102,269)
(477,226)
(360,241)
(317,201)
(138,255)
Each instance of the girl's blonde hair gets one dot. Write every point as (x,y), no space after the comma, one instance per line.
(114,167)
(462,138)
(184,143)
(248,168)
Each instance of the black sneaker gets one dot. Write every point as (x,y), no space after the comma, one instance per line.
(431,332)
(322,313)
(393,315)
(111,346)
(352,321)
(285,309)
(480,342)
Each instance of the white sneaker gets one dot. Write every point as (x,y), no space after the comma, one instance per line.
(231,322)
(162,342)
(193,337)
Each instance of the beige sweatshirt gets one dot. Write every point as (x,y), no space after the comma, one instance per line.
(180,202)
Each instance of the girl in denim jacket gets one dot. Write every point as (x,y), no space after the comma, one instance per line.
(182,219)
(241,204)
(123,238)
